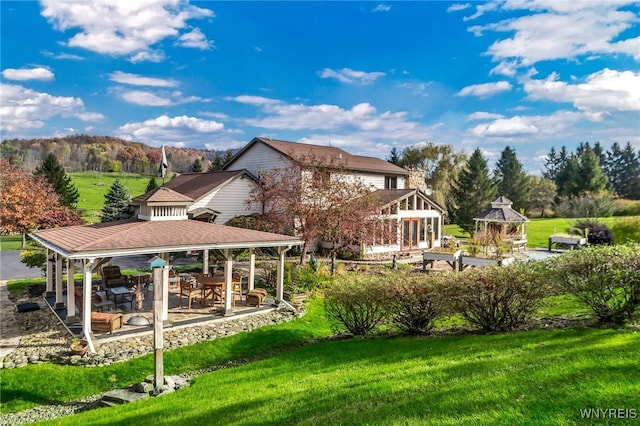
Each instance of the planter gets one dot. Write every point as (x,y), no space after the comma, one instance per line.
(568,241)
(295,298)
(80,347)
(466,261)
(428,257)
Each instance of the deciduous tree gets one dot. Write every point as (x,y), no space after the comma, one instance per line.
(542,194)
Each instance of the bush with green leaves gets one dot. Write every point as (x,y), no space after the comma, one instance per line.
(604,278)
(357,303)
(498,298)
(417,301)
(626,230)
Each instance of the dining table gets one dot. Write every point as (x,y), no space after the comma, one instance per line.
(212,287)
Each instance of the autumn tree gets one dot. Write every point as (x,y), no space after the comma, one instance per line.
(28,202)
(316,199)
(116,205)
(55,174)
(473,191)
(440,165)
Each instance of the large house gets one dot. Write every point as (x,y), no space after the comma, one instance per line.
(220,196)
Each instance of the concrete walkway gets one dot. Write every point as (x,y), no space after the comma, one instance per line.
(9,330)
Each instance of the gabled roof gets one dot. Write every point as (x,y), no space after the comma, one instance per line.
(123,238)
(195,185)
(388,196)
(292,150)
(161,195)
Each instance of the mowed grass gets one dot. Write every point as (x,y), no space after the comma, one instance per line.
(93,186)
(535,377)
(538,230)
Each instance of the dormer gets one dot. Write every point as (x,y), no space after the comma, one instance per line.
(162,204)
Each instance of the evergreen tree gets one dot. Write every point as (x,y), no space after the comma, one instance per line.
(590,176)
(116,204)
(473,191)
(216,164)
(554,163)
(53,171)
(153,184)
(511,181)
(196,167)
(623,170)
(394,156)
(567,177)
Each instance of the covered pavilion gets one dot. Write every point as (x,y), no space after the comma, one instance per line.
(162,227)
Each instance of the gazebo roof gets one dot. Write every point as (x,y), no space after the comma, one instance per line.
(501,212)
(125,238)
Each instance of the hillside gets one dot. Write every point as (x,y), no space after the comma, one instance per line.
(79,153)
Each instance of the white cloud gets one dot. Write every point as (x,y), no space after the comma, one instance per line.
(140,80)
(458,7)
(485,90)
(381,8)
(25,74)
(507,68)
(514,126)
(481,115)
(23,108)
(527,128)
(195,39)
(162,98)
(605,91)
(178,130)
(147,56)
(347,75)
(121,27)
(419,89)
(481,9)
(560,30)
(252,100)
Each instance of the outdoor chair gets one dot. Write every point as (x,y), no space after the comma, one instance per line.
(236,282)
(112,277)
(189,291)
(256,297)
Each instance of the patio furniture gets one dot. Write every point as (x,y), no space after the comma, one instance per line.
(212,287)
(102,321)
(236,282)
(98,302)
(256,297)
(190,290)
(124,293)
(112,277)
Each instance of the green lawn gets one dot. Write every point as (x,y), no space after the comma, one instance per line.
(93,186)
(538,230)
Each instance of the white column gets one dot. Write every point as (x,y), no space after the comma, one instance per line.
(49,287)
(165,289)
(252,269)
(280,283)
(72,315)
(86,302)
(228,286)
(205,261)
(58,282)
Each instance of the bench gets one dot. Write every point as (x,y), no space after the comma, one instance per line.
(102,321)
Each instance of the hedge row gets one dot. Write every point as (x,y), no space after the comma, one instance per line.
(606,279)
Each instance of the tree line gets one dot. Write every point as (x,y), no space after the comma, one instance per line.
(573,184)
(78,153)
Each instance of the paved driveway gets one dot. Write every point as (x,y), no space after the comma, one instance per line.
(11,267)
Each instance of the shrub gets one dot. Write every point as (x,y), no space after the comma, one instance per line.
(416,302)
(596,232)
(586,205)
(498,298)
(605,278)
(626,230)
(626,207)
(357,303)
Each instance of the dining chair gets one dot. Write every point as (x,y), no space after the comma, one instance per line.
(189,291)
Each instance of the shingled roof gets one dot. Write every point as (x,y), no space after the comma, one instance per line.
(340,157)
(501,212)
(195,185)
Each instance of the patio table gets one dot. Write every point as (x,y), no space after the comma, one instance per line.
(123,292)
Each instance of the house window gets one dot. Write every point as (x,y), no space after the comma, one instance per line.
(390,182)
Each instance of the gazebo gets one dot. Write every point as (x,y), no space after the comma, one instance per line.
(162,227)
(505,220)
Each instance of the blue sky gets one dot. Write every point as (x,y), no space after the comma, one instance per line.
(362,76)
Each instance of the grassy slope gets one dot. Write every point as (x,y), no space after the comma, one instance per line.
(536,377)
(93,186)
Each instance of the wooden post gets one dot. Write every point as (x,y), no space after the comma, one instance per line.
(158,327)
(228,290)
(49,286)
(252,269)
(58,282)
